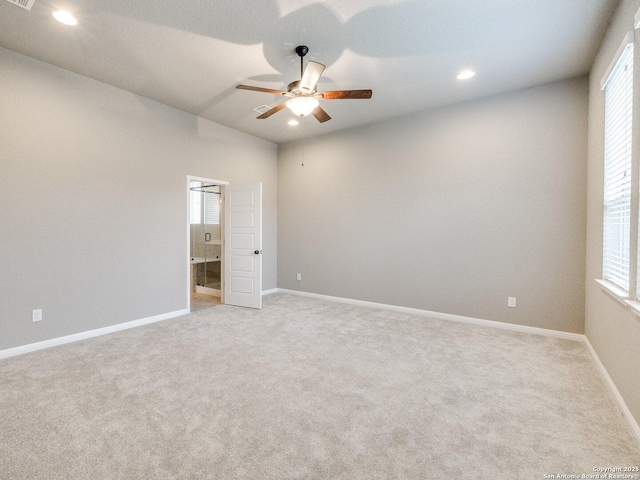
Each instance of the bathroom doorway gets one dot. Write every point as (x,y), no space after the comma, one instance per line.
(206,240)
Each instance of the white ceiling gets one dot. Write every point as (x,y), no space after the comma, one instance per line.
(191,54)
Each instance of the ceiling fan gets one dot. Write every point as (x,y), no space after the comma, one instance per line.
(304,98)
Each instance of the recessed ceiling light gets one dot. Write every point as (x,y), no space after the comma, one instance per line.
(65,17)
(465,74)
(293,123)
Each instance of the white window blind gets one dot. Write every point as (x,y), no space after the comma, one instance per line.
(617,171)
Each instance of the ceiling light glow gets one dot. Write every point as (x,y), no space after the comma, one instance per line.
(293,123)
(302,106)
(65,17)
(465,74)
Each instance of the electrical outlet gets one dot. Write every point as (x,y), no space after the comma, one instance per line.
(511,302)
(37,315)
(298,276)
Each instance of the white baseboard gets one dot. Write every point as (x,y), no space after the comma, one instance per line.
(443,316)
(12,352)
(490,323)
(32,347)
(614,390)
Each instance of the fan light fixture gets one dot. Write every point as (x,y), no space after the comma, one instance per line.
(303,96)
(302,106)
(465,74)
(65,17)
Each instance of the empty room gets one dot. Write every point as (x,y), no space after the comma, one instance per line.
(275,239)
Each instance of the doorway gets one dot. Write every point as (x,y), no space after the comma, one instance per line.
(224,243)
(206,241)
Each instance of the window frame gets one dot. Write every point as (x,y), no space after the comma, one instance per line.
(630,298)
(202,217)
(618,166)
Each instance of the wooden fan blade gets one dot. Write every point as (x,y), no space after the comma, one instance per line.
(320,114)
(311,74)
(275,109)
(346,94)
(260,89)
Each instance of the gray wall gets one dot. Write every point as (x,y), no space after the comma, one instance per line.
(451,210)
(613,331)
(93,203)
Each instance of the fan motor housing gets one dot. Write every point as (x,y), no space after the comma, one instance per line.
(294,87)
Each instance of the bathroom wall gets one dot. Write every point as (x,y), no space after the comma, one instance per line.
(93,200)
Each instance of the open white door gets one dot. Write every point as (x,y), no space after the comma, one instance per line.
(243,245)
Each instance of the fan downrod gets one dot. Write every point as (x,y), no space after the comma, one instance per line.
(301,50)
(304,90)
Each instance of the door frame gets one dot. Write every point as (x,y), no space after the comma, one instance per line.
(222,183)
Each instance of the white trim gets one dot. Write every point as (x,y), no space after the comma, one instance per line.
(634,306)
(210,180)
(635,178)
(12,352)
(614,390)
(443,316)
(628,39)
(637,19)
(614,291)
(489,323)
(54,342)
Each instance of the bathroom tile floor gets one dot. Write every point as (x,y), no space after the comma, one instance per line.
(200,301)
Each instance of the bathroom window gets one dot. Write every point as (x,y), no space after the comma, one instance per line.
(212,209)
(195,211)
(205,205)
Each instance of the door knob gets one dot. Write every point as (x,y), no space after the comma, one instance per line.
(258,252)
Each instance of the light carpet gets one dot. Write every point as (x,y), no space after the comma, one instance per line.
(308,389)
